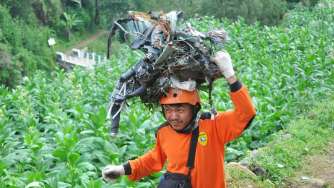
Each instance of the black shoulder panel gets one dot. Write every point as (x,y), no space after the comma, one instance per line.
(205,115)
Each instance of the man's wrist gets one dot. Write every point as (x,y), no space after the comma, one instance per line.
(235,86)
(232,79)
(127,168)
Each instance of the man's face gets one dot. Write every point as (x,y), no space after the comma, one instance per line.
(178,115)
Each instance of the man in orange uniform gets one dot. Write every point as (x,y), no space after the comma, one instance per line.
(180,108)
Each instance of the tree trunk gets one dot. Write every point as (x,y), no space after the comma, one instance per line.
(68,34)
(97,13)
(40,12)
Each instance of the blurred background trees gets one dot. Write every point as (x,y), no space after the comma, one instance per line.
(26,25)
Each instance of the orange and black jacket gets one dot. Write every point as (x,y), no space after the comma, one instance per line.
(172,148)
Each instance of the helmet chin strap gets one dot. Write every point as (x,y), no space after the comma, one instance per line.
(190,127)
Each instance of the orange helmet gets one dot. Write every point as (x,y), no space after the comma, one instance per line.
(177,96)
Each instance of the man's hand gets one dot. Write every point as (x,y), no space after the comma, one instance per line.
(112,172)
(224,62)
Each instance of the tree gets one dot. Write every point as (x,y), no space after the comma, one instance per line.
(97,13)
(69,22)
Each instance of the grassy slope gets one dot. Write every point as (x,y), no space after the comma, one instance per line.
(306,136)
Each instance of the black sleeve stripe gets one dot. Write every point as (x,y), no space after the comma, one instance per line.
(235,86)
(127,168)
(249,122)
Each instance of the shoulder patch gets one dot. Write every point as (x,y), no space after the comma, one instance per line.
(203,138)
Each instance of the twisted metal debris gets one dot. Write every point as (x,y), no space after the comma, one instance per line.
(171,55)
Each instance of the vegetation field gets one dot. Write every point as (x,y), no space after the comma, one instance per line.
(53,126)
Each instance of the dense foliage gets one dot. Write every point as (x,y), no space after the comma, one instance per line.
(95,12)
(23,49)
(54,129)
(26,25)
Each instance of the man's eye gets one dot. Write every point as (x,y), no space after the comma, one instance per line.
(167,110)
(180,110)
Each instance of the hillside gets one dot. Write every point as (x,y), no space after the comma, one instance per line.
(299,156)
(54,130)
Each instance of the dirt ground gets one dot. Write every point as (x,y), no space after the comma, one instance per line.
(318,171)
(85,43)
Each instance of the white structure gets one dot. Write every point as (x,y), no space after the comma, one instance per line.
(51,42)
(81,58)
